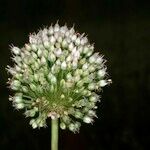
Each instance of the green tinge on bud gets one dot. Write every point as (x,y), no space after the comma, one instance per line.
(36,77)
(34,47)
(62,83)
(64,44)
(18,98)
(72,127)
(46,44)
(80,83)
(91,86)
(51,57)
(92,59)
(33,87)
(53,80)
(24,89)
(62,96)
(30,113)
(91,68)
(101,73)
(78,114)
(63,65)
(18,76)
(52,89)
(62,125)
(15,84)
(66,119)
(85,66)
(93,99)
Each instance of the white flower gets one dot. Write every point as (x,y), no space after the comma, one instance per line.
(57,75)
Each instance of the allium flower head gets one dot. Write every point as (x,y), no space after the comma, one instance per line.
(57,75)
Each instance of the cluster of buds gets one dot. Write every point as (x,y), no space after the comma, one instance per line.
(57,75)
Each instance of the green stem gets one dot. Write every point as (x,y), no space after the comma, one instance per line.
(54,134)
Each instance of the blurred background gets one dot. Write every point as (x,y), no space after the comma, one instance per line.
(120,31)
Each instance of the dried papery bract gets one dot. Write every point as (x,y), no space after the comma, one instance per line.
(57,75)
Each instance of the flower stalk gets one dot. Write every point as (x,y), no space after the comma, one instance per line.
(54,134)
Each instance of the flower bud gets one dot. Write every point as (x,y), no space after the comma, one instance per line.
(91,113)
(46,44)
(18,98)
(77,42)
(56,27)
(15,84)
(85,66)
(19,105)
(84,40)
(33,123)
(62,96)
(34,47)
(51,30)
(101,73)
(24,89)
(43,60)
(91,86)
(78,114)
(71,46)
(58,52)
(66,119)
(92,59)
(93,99)
(69,58)
(87,119)
(64,44)
(62,83)
(33,87)
(99,60)
(102,83)
(62,126)
(27,47)
(51,57)
(52,40)
(16,50)
(80,83)
(63,65)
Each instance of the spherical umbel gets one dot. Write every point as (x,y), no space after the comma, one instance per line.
(57,75)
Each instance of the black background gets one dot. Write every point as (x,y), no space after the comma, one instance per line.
(120,30)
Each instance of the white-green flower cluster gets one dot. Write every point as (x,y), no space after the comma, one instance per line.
(57,75)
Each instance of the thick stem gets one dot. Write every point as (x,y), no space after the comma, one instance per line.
(54,134)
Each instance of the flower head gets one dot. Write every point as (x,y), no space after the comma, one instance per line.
(57,75)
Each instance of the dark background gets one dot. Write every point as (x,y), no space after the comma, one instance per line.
(120,30)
